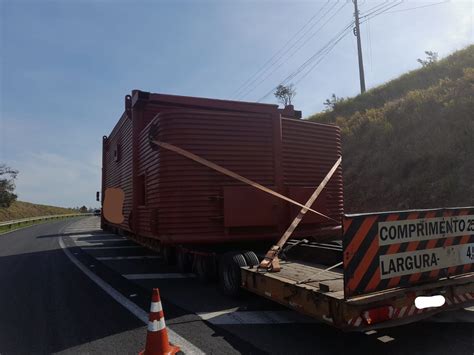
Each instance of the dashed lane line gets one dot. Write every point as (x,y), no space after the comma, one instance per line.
(85,230)
(97,235)
(185,345)
(173,275)
(112,247)
(385,339)
(234,317)
(95,242)
(138,257)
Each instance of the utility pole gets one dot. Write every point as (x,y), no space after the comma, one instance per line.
(359,47)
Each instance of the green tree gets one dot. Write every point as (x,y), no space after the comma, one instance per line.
(285,94)
(83,209)
(332,102)
(7,185)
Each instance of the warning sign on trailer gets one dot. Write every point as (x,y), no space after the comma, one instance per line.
(424,229)
(393,249)
(425,260)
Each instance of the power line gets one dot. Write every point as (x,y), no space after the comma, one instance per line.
(255,83)
(323,56)
(373,11)
(419,7)
(378,6)
(381,11)
(295,51)
(270,61)
(369,40)
(321,52)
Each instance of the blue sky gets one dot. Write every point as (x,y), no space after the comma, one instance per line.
(67,65)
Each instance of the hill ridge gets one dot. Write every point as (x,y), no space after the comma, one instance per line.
(414,150)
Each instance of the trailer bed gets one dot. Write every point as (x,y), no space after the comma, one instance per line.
(330,282)
(323,297)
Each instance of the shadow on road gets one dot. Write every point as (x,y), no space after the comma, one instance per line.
(48,305)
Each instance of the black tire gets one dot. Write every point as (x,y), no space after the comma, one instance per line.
(229,273)
(205,267)
(183,261)
(251,258)
(168,253)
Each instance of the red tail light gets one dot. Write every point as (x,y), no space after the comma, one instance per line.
(377,315)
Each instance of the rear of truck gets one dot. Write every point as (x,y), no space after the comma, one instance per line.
(393,263)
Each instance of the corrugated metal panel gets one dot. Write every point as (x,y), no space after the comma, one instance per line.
(119,172)
(309,152)
(185,195)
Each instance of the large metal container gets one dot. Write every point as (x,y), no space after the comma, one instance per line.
(178,201)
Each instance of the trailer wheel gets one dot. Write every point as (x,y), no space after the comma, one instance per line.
(183,261)
(205,268)
(229,273)
(168,253)
(251,258)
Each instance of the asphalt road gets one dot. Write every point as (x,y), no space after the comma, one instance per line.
(65,284)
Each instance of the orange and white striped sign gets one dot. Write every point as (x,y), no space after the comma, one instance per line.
(393,249)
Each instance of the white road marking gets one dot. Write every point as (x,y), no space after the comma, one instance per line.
(128,257)
(210,315)
(97,242)
(370,332)
(174,275)
(185,345)
(87,231)
(92,236)
(385,339)
(232,317)
(111,247)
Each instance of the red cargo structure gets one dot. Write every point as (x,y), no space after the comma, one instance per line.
(175,201)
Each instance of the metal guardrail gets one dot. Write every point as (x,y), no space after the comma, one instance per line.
(18,222)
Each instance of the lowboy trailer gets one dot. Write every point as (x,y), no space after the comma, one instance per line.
(214,183)
(391,261)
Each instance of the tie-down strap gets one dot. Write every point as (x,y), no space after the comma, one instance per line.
(236,176)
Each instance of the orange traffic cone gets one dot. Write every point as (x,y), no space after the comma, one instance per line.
(157,342)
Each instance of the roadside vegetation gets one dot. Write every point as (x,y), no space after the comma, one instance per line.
(410,142)
(20,209)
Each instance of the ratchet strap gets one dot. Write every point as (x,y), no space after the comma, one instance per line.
(236,176)
(271,261)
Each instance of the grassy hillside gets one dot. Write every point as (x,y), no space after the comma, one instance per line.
(410,143)
(451,67)
(20,209)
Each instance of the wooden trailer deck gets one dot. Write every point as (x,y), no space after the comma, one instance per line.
(316,298)
(331,282)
